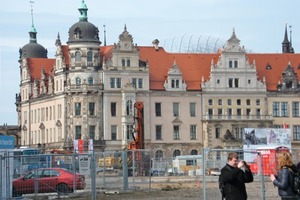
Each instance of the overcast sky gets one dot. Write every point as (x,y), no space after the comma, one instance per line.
(179,25)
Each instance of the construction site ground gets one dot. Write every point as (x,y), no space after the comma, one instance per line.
(182,190)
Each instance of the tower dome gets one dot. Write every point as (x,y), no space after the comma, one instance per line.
(33,49)
(83,31)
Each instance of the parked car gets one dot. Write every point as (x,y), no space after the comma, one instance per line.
(46,180)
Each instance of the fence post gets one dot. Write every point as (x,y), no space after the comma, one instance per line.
(1,178)
(93,176)
(125,169)
(262,179)
(203,172)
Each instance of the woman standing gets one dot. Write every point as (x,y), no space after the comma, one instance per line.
(283,180)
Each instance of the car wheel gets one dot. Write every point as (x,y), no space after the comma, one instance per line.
(16,193)
(62,188)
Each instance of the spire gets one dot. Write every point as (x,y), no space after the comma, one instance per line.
(286,42)
(32,32)
(83,11)
(58,42)
(104,35)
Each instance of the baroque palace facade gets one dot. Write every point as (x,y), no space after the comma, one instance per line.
(191,100)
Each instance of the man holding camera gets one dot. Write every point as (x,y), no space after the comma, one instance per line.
(233,177)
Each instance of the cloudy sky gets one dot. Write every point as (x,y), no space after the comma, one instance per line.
(179,25)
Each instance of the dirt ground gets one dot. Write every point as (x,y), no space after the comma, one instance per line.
(185,190)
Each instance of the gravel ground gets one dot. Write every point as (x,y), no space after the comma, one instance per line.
(186,190)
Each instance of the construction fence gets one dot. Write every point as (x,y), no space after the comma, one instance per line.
(37,176)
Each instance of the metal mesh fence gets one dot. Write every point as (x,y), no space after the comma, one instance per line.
(116,171)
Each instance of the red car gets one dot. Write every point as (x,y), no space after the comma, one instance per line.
(48,180)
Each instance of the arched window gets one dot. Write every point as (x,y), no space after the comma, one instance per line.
(90,81)
(78,81)
(194,152)
(159,155)
(77,56)
(230,64)
(123,62)
(128,62)
(89,56)
(235,64)
(176,153)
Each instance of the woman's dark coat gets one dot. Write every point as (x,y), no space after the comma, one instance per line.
(283,182)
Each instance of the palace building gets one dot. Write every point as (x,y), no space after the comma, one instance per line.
(191,100)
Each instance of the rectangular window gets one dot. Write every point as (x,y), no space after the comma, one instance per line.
(113,132)
(25,117)
(158,133)
(112,83)
(248,102)
(140,83)
(248,112)
(193,109)
(296,132)
(77,108)
(229,113)
(92,132)
(275,109)
(229,102)
(91,108)
(238,113)
(157,109)
(257,102)
(230,82)
(193,132)
(77,132)
(113,109)
(134,82)
(218,132)
(220,111)
(258,113)
(236,82)
(219,102)
(175,109)
(210,113)
(284,109)
(118,82)
(176,132)
(295,109)
(129,132)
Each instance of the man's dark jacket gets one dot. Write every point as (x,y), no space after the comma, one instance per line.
(235,179)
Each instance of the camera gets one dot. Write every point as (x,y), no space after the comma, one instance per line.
(245,164)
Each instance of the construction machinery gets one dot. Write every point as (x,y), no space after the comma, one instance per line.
(135,158)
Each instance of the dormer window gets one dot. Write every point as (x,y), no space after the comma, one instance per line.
(235,64)
(230,64)
(77,33)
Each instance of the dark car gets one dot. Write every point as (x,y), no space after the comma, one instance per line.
(46,180)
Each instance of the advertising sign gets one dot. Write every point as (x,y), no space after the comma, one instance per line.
(7,142)
(84,164)
(264,140)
